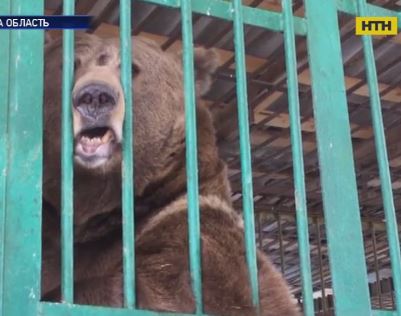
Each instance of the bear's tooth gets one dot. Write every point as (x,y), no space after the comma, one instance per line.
(107,136)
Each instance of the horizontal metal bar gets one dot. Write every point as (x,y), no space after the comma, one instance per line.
(56,309)
(252,16)
(383,313)
(350,7)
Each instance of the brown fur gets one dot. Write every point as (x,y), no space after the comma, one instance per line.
(163,281)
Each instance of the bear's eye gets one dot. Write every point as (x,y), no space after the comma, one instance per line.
(135,69)
(103,59)
(77,64)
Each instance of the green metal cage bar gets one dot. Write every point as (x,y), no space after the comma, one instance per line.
(297,157)
(351,7)
(127,164)
(251,16)
(269,19)
(191,154)
(340,198)
(79,310)
(67,171)
(382,158)
(20,288)
(245,151)
(5,7)
(383,313)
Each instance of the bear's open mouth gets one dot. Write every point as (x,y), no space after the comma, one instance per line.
(94,144)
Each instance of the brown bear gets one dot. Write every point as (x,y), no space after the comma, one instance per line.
(161,244)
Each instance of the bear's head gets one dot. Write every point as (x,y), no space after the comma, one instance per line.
(98,109)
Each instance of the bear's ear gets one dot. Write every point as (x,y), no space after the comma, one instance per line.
(206,62)
(48,38)
(52,42)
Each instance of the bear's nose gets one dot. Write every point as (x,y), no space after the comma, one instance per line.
(94,100)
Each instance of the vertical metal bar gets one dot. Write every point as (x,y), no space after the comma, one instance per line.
(319,253)
(382,158)
(191,154)
(340,198)
(297,157)
(67,199)
(376,263)
(245,149)
(128,156)
(5,9)
(23,201)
